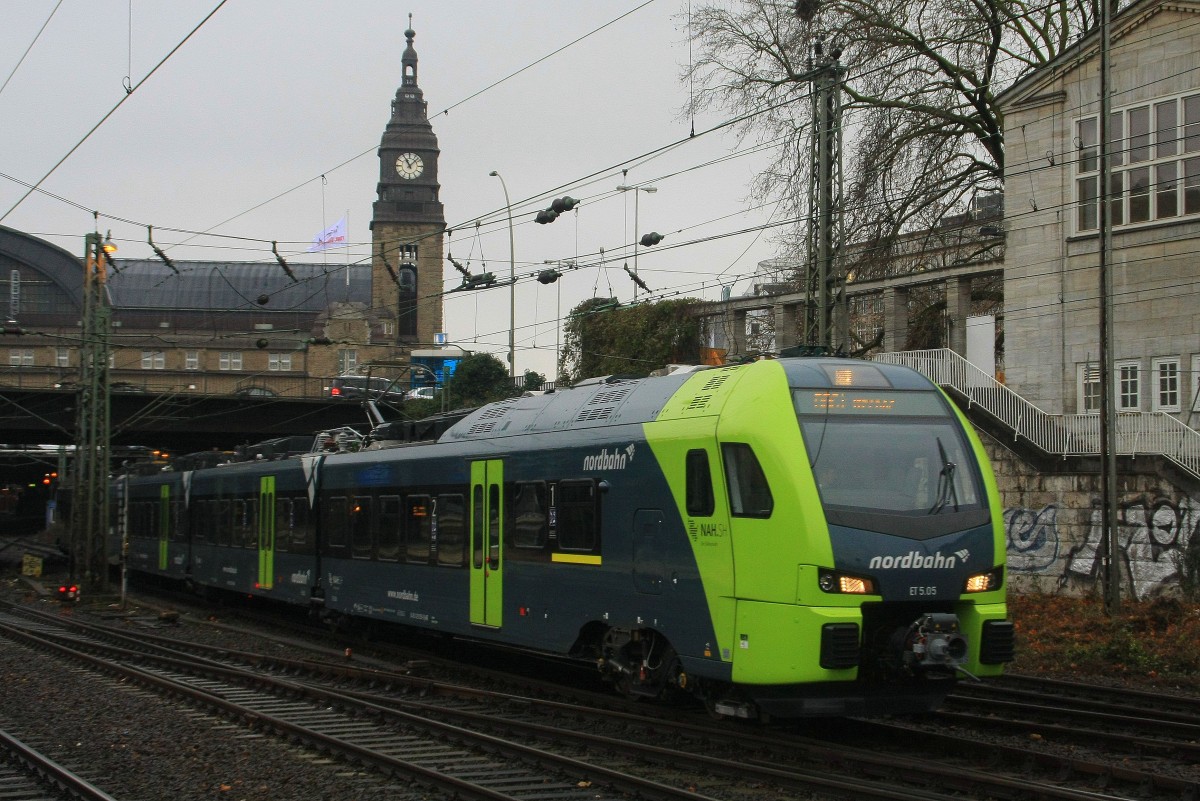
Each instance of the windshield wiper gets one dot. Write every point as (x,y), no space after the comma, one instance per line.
(946,489)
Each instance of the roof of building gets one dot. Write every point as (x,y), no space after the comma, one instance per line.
(150,284)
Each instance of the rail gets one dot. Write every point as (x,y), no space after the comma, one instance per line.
(1137,433)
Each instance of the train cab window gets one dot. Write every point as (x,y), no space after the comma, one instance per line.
(749,493)
(699,488)
(529,520)
(335,519)
(224,521)
(387,543)
(578,516)
(451,530)
(361,544)
(418,528)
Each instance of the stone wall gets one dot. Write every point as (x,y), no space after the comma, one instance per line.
(1055,537)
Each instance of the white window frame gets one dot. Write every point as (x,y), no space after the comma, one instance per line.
(1087,388)
(1127,377)
(1164,162)
(347,360)
(1192,391)
(20,357)
(279,362)
(230,360)
(154,360)
(191,360)
(1166,375)
(62,357)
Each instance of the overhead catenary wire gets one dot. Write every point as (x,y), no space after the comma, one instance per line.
(477,299)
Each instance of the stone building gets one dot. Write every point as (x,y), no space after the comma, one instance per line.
(1051,274)
(250,328)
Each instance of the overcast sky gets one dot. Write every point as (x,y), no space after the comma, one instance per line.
(266,97)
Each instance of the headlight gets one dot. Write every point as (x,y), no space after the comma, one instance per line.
(834,581)
(985,582)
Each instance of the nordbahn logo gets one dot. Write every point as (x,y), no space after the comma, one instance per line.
(918,560)
(617,460)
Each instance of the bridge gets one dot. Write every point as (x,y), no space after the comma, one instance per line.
(176,422)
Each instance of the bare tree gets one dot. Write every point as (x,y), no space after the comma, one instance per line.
(923,132)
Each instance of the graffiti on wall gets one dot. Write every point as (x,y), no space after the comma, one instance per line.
(1153,536)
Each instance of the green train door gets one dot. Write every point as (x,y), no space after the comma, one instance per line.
(487,537)
(266,532)
(164,524)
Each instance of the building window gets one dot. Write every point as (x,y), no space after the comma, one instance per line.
(347,360)
(230,360)
(191,360)
(22,357)
(279,362)
(1089,388)
(1155,163)
(62,357)
(1128,387)
(154,360)
(1166,384)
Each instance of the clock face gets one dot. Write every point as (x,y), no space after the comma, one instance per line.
(409,165)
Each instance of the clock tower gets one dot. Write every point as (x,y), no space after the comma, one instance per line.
(408,221)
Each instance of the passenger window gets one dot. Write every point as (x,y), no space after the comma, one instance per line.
(360,528)
(388,543)
(451,530)
(176,532)
(301,526)
(529,528)
(202,523)
(699,488)
(283,524)
(224,522)
(335,519)
(578,517)
(252,523)
(749,494)
(418,529)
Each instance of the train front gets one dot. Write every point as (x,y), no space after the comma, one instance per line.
(877,578)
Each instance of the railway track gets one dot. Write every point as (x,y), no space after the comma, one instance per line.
(27,774)
(626,752)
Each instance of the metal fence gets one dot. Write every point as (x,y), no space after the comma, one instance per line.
(1137,433)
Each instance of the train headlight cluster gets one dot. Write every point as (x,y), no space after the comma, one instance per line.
(835,581)
(985,582)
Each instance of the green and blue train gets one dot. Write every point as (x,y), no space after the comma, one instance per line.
(788,537)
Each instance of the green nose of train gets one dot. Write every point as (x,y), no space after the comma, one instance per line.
(847,532)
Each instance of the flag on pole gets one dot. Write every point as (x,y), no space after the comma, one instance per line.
(332,237)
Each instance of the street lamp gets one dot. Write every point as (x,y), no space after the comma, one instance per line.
(512,286)
(635,190)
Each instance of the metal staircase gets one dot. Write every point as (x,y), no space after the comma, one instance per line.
(1137,434)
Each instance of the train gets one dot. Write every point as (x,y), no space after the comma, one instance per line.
(790,537)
